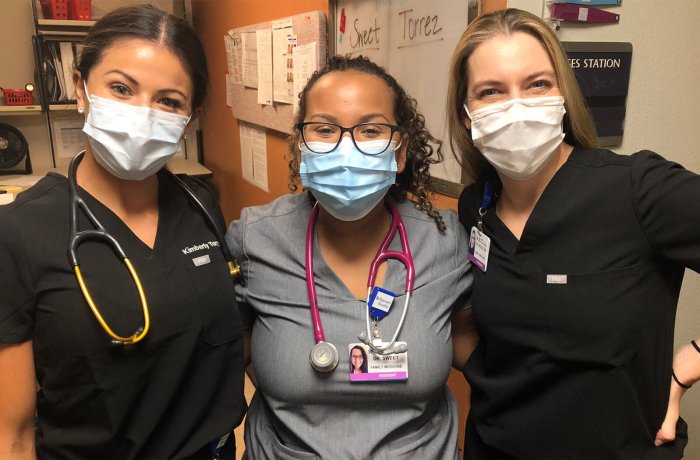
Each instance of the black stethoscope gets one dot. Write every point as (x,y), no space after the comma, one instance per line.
(100,234)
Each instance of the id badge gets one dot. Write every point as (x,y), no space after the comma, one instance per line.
(479,245)
(368,366)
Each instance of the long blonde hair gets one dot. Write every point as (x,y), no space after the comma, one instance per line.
(578,126)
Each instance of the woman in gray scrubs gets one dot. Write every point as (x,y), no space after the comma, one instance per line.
(362,150)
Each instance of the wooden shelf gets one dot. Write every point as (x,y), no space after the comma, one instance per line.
(64,23)
(63,107)
(20,109)
(191,167)
(177,165)
(63,28)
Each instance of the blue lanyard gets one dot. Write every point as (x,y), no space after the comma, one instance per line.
(488,193)
(485,202)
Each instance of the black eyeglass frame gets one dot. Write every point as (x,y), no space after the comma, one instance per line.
(394,129)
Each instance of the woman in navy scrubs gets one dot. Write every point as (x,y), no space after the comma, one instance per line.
(176,392)
(581,254)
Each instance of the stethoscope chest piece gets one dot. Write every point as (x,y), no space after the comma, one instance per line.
(324,357)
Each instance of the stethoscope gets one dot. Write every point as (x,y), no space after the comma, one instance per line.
(100,234)
(324,355)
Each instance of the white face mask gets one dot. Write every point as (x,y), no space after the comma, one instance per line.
(131,142)
(519,136)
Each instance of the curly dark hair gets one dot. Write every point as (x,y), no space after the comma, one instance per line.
(415,178)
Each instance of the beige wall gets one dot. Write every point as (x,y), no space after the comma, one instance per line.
(17,69)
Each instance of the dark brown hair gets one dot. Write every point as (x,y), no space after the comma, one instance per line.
(146,22)
(415,178)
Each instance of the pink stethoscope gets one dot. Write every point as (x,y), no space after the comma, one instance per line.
(324,355)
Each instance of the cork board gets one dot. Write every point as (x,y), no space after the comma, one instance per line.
(308,28)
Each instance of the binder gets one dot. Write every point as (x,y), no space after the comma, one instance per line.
(67,60)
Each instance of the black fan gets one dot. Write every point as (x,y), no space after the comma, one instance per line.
(13,149)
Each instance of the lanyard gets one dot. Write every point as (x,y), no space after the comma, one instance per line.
(485,202)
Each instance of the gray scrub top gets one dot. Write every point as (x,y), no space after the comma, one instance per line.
(298,413)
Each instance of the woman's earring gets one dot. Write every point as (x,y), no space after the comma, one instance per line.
(81,110)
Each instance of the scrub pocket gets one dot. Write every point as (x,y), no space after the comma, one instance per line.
(283,452)
(221,321)
(594,318)
(422,443)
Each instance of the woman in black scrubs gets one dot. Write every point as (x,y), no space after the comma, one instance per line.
(581,253)
(173,388)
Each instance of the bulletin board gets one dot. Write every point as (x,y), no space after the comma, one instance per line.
(414,41)
(308,28)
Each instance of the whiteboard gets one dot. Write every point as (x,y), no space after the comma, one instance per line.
(413,40)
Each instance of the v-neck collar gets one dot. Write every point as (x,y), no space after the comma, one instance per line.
(534,225)
(169,210)
(322,271)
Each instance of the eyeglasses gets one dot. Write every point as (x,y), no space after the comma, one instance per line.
(369,138)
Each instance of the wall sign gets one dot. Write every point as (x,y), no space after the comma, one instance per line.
(603,73)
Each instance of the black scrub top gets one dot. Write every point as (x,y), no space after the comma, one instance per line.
(576,319)
(165,397)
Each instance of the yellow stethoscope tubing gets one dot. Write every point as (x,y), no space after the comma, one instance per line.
(141,332)
(100,233)
(234,269)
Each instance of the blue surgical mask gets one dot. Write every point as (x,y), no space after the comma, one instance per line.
(131,142)
(346,182)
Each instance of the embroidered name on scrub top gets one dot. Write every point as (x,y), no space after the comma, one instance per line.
(200,247)
(198,260)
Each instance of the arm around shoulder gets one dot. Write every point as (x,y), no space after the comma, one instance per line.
(17,401)
(249,369)
(464,337)
(464,334)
